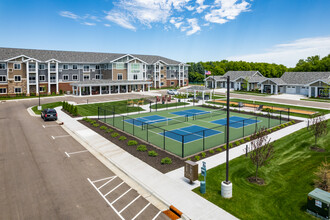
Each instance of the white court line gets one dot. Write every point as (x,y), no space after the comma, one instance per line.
(107,201)
(141,211)
(157,215)
(77,152)
(107,182)
(95,181)
(61,136)
(114,189)
(130,203)
(121,195)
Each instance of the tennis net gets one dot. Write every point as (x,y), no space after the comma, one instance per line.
(165,121)
(202,115)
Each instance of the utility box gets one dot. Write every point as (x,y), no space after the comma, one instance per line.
(191,170)
(318,203)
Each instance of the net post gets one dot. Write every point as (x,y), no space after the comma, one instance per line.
(182,146)
(164,137)
(203,140)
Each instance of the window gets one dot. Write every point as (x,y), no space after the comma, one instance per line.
(135,76)
(41,66)
(42,77)
(74,66)
(162,68)
(17,66)
(162,76)
(18,90)
(86,77)
(3,90)
(172,76)
(86,68)
(168,68)
(53,66)
(172,83)
(65,66)
(42,89)
(97,76)
(97,67)
(2,66)
(120,66)
(119,76)
(149,76)
(75,77)
(185,83)
(65,77)
(3,79)
(17,78)
(32,67)
(161,83)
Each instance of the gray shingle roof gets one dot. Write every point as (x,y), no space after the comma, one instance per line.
(278,81)
(303,78)
(256,79)
(74,56)
(236,74)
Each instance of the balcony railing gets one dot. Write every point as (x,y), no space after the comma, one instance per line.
(53,69)
(53,80)
(32,81)
(32,69)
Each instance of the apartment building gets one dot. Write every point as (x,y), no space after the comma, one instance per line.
(30,71)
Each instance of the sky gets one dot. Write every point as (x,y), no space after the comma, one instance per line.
(273,31)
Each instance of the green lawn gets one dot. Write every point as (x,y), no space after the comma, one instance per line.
(25,97)
(120,107)
(250,93)
(278,105)
(289,178)
(168,105)
(316,100)
(49,105)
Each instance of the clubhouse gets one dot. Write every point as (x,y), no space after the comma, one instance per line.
(311,84)
(30,71)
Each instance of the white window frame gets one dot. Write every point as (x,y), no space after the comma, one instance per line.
(119,74)
(44,78)
(65,75)
(19,65)
(121,68)
(74,66)
(149,76)
(3,77)
(73,77)
(65,66)
(87,67)
(2,65)
(18,88)
(5,90)
(52,66)
(97,76)
(41,66)
(20,78)
(135,76)
(85,76)
(97,67)
(42,89)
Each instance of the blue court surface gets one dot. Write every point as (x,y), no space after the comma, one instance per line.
(148,120)
(236,122)
(192,133)
(190,112)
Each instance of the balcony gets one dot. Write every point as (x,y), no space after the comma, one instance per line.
(52,69)
(52,80)
(32,81)
(32,69)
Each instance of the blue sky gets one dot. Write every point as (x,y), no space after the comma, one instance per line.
(276,31)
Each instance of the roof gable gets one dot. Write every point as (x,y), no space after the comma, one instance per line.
(303,78)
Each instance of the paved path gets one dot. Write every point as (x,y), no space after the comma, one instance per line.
(160,185)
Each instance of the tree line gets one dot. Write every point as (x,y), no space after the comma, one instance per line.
(311,64)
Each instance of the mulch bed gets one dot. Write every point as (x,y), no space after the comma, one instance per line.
(253,179)
(317,149)
(155,162)
(71,115)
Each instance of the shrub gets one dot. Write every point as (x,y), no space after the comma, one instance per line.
(248,139)
(152,153)
(103,127)
(293,121)
(122,138)
(225,146)
(290,123)
(189,158)
(219,149)
(282,126)
(212,151)
(230,145)
(132,143)
(114,134)
(203,154)
(92,121)
(109,130)
(166,160)
(96,125)
(242,141)
(142,148)
(197,157)
(86,119)
(278,127)
(269,131)
(237,143)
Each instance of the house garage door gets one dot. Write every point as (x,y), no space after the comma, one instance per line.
(291,89)
(304,90)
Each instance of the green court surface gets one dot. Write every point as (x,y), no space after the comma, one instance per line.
(188,130)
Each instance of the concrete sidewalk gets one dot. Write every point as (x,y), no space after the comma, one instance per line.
(162,186)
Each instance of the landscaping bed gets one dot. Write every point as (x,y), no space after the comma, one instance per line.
(154,161)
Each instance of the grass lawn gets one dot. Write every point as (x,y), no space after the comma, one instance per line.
(26,97)
(316,100)
(49,105)
(250,93)
(279,105)
(289,178)
(169,105)
(120,107)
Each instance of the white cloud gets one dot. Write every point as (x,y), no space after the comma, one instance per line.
(190,8)
(225,10)
(107,25)
(120,19)
(88,23)
(69,14)
(290,53)
(95,18)
(193,22)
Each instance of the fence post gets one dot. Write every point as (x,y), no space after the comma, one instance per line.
(203,140)
(147,133)
(182,146)
(123,123)
(113,118)
(104,112)
(133,126)
(268,120)
(164,138)
(243,128)
(256,123)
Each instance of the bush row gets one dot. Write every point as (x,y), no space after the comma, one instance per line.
(72,109)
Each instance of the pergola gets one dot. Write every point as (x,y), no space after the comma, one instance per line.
(202,89)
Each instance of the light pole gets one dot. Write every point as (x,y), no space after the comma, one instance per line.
(226,186)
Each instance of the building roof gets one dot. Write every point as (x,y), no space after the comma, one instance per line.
(234,75)
(107,82)
(277,81)
(320,195)
(197,88)
(75,56)
(303,78)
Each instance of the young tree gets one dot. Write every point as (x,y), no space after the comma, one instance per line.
(322,180)
(261,150)
(318,126)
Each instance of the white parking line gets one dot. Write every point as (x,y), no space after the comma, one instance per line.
(130,203)
(113,189)
(157,215)
(141,211)
(107,182)
(77,152)
(95,181)
(61,136)
(121,195)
